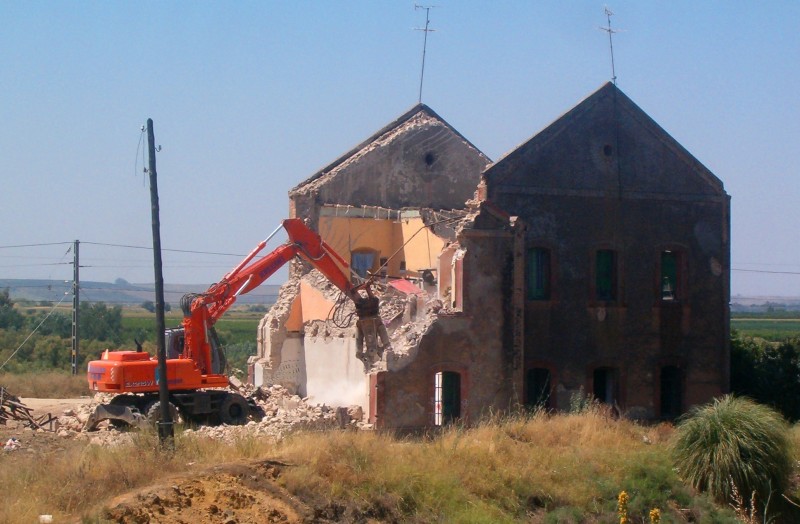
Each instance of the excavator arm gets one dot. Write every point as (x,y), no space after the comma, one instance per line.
(203,310)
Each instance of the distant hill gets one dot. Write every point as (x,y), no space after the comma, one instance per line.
(120,292)
(763,304)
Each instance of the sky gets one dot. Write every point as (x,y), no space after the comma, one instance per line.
(250,98)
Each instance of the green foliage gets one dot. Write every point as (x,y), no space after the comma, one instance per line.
(734,441)
(767,372)
(99,322)
(58,324)
(580,402)
(238,354)
(10,318)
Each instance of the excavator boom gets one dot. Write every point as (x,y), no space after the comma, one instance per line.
(198,363)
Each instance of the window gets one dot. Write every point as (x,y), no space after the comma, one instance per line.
(604,382)
(538,274)
(384,269)
(446,397)
(670,281)
(363,261)
(537,388)
(605,272)
(671,392)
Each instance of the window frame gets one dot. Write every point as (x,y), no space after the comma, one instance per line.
(544,276)
(679,280)
(613,275)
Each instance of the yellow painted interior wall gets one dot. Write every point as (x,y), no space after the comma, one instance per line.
(385,236)
(422,250)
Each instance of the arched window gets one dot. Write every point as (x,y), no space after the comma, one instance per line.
(363,261)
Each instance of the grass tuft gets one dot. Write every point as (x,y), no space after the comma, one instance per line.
(734,445)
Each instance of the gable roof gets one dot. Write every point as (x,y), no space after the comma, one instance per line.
(608,93)
(398,122)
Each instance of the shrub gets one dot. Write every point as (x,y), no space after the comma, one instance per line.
(733,442)
(767,372)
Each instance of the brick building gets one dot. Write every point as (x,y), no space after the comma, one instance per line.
(593,259)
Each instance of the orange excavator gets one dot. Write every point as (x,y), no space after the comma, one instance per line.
(196,376)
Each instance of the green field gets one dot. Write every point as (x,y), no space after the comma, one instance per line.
(774,329)
(237,332)
(235,328)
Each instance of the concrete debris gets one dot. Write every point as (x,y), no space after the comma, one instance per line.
(284,414)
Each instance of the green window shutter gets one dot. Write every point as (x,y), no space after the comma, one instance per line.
(538,274)
(605,275)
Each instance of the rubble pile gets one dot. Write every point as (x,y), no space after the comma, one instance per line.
(285,413)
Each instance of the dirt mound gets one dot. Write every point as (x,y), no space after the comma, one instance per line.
(228,494)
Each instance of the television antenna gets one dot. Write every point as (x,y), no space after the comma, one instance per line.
(610,42)
(426,30)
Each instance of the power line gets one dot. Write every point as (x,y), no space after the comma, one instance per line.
(43,264)
(765,271)
(36,245)
(164,249)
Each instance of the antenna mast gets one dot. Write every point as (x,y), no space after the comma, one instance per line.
(610,42)
(427,9)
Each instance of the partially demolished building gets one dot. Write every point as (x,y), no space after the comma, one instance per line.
(593,259)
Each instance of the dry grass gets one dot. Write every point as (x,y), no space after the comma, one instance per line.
(45,384)
(79,480)
(561,468)
(502,471)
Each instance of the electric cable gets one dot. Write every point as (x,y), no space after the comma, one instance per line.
(34,331)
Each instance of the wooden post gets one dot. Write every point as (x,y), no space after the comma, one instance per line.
(166,432)
(76,302)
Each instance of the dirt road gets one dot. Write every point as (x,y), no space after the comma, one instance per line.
(54,406)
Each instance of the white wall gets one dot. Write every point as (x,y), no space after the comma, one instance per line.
(334,376)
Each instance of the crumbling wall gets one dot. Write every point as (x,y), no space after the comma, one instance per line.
(419,162)
(468,342)
(273,331)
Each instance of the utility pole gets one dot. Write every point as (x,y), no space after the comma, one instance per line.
(166,433)
(427,9)
(76,302)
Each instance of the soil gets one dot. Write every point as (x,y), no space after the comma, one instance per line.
(238,493)
(245,493)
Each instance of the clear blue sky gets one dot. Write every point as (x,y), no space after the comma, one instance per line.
(250,98)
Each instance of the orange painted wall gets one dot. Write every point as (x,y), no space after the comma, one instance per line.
(314,304)
(386,236)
